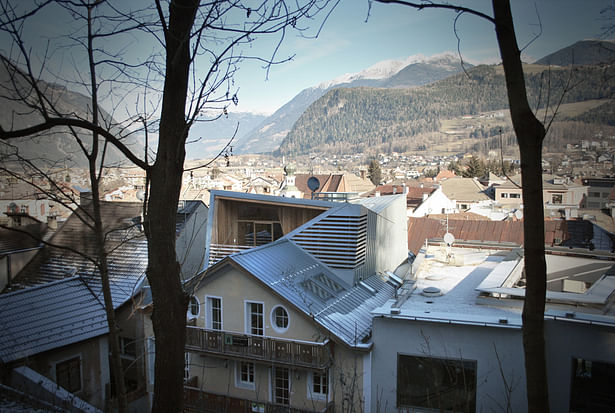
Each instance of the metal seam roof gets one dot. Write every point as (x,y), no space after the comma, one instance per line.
(48,316)
(284,266)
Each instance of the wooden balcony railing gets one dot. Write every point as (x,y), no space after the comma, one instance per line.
(245,346)
(219,251)
(197,401)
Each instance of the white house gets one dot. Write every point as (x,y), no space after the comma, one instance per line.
(452,341)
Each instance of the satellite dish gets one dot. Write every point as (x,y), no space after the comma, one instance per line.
(449,238)
(141,195)
(519,214)
(313,183)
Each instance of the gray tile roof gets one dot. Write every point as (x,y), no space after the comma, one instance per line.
(314,289)
(19,240)
(48,316)
(127,254)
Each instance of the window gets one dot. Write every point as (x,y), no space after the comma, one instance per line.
(244,375)
(186,367)
(281,386)
(557,198)
(504,195)
(255,233)
(255,324)
(151,358)
(214,313)
(515,196)
(194,307)
(68,374)
(279,319)
(128,347)
(436,383)
(318,385)
(591,388)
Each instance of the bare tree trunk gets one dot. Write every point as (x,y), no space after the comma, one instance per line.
(530,135)
(116,360)
(163,273)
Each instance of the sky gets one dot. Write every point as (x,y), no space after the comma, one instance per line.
(350,42)
(352,39)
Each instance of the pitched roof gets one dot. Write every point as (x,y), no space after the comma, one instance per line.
(48,316)
(571,233)
(315,290)
(126,246)
(463,189)
(13,241)
(420,229)
(346,182)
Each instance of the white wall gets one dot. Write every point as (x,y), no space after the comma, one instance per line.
(394,336)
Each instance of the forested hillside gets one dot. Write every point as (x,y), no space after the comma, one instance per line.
(359,118)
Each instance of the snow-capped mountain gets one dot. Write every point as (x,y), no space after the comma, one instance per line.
(388,68)
(413,71)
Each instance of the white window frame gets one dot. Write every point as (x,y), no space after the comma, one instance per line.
(186,366)
(310,387)
(247,314)
(209,313)
(198,306)
(272,318)
(241,384)
(151,358)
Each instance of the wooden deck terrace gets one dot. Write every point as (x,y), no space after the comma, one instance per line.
(288,353)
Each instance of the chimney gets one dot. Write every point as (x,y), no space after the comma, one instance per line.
(52,222)
(406,189)
(362,173)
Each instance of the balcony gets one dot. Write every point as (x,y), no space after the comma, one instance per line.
(219,251)
(288,353)
(198,401)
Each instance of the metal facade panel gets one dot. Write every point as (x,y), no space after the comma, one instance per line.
(49,316)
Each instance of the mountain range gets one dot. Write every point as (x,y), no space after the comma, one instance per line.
(411,72)
(57,147)
(386,103)
(359,114)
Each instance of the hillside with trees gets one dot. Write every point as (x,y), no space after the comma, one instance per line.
(352,120)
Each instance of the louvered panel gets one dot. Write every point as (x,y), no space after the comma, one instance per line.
(338,241)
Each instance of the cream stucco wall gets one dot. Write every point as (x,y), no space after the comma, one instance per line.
(220,375)
(236,289)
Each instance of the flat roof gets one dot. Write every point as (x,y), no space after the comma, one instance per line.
(475,286)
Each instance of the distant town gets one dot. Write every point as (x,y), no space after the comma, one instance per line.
(312,279)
